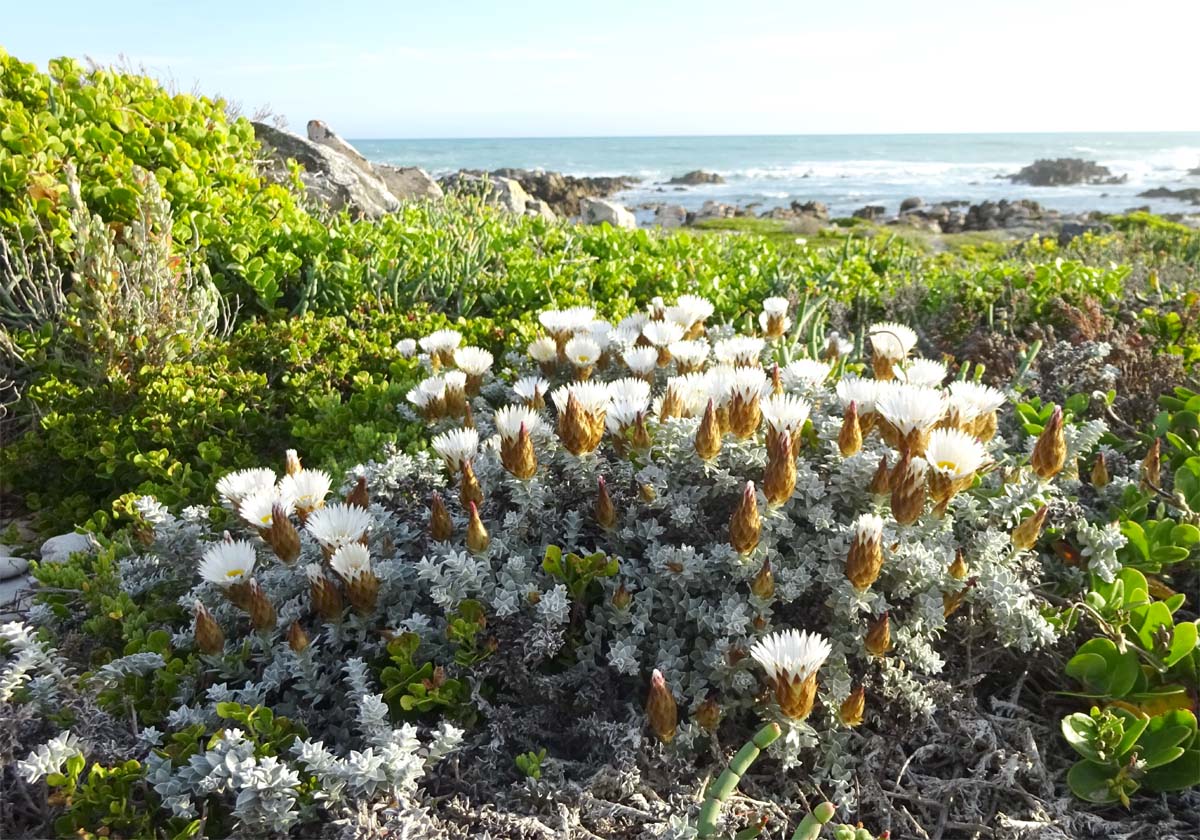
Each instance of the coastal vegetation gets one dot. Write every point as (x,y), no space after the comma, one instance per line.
(457,522)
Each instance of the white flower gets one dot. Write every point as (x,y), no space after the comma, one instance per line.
(475,361)
(696,308)
(921,372)
(306,489)
(973,399)
(528,387)
(582,351)
(511,418)
(593,397)
(351,560)
(406,347)
(911,407)
(236,486)
(227,563)
(775,306)
(622,413)
(837,346)
(456,447)
(764,321)
(543,350)
(891,340)
(718,381)
(601,333)
(456,380)
(575,319)
(953,453)
(662,333)
(868,527)
(630,329)
(749,382)
(739,350)
(691,390)
(861,392)
(430,389)
(791,655)
(338,524)
(689,353)
(257,509)
(807,373)
(785,413)
(641,360)
(442,341)
(630,389)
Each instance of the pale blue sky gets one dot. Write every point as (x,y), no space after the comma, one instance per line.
(385,68)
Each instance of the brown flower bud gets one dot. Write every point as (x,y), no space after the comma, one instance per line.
(864,560)
(441,528)
(850,438)
(1152,467)
(881,482)
(282,535)
(745,527)
(776,379)
(908,489)
(763,583)
(262,614)
(708,435)
(359,497)
(297,638)
(984,427)
(1099,471)
(468,417)
(622,597)
(1026,534)
(362,591)
(238,594)
(579,430)
(474,383)
(469,491)
(292,462)
(671,406)
(708,715)
(210,638)
(795,696)
(779,478)
(1050,451)
(517,455)
(455,401)
(951,601)
(958,568)
(879,636)
(647,493)
(325,595)
(883,366)
(661,710)
(851,711)
(606,513)
(641,435)
(745,415)
(477,536)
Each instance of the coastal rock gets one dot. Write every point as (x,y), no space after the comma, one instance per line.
(670,216)
(508,195)
(59,549)
(11,566)
(1003,214)
(917,221)
(913,203)
(332,178)
(872,212)
(1065,171)
(563,193)
(320,133)
(815,209)
(1191,194)
(713,210)
(407,183)
(596,211)
(697,176)
(540,209)
(1071,230)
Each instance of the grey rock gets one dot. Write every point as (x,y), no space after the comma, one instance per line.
(11,566)
(670,216)
(816,209)
(508,195)
(1191,194)
(59,549)
(407,183)
(1071,230)
(872,212)
(595,211)
(697,176)
(541,209)
(1065,171)
(913,203)
(323,135)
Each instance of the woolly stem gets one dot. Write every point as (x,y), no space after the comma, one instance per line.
(727,782)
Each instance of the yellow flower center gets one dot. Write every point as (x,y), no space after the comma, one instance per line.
(235,573)
(948,466)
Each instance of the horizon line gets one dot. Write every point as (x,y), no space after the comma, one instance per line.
(1195,132)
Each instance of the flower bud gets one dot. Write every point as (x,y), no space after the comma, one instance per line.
(622,597)
(647,493)
(468,417)
(606,513)
(210,638)
(325,595)
(985,426)
(477,536)
(879,636)
(359,497)
(660,708)
(469,491)
(779,478)
(1099,471)
(1152,467)
(776,380)
(951,601)
(881,482)
(908,489)
(282,535)
(853,707)
(671,406)
(708,715)
(1026,534)
(745,415)
(745,527)
(763,583)
(292,461)
(297,638)
(708,434)
(1050,451)
(850,438)
(517,455)
(441,528)
(864,560)
(958,568)
(262,614)
(641,435)
(362,591)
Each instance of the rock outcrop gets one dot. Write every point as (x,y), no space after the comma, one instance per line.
(1065,171)
(1191,194)
(562,193)
(408,183)
(540,209)
(913,203)
(670,216)
(872,212)
(696,177)
(596,211)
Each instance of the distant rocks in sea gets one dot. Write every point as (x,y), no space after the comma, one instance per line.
(1191,194)
(1065,172)
(562,194)
(695,178)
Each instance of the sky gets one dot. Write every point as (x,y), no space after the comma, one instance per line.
(397,69)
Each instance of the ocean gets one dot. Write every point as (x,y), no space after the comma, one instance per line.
(843,171)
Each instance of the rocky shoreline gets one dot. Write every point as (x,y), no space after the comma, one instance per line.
(337,175)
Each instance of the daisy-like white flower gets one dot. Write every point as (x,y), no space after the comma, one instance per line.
(306,490)
(921,372)
(441,342)
(775,306)
(529,388)
(861,392)
(836,347)
(630,389)
(689,355)
(632,325)
(892,341)
(718,381)
(774,319)
(785,413)
(974,399)
(745,350)
(454,380)
(601,333)
(511,418)
(806,373)
(688,395)
(953,453)
(474,361)
(582,351)
(791,659)
(236,486)
(641,360)
(662,333)
(911,408)
(593,397)
(864,560)
(622,414)
(697,309)
(257,509)
(543,350)
(749,382)
(228,563)
(338,524)
(457,447)
(406,347)
(351,560)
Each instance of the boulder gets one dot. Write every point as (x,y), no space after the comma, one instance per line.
(59,549)
(913,203)
(540,209)
(872,212)
(323,135)
(815,209)
(563,193)
(697,176)
(508,195)
(334,179)
(1071,230)
(595,211)
(1191,194)
(670,216)
(1064,171)
(407,183)
(713,210)
(10,564)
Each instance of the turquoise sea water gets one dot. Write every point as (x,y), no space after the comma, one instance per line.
(844,171)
